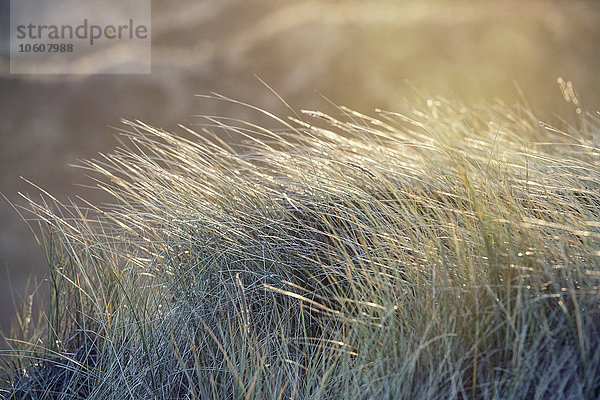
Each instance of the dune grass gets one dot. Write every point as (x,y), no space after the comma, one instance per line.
(435,252)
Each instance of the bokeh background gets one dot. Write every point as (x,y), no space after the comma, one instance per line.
(361,54)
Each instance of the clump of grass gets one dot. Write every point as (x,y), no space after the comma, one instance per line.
(435,252)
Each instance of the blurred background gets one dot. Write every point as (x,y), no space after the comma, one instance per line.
(363,55)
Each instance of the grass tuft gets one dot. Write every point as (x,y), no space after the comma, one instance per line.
(435,252)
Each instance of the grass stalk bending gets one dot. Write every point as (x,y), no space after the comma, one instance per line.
(435,252)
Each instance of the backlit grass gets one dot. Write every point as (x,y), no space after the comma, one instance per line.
(434,252)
